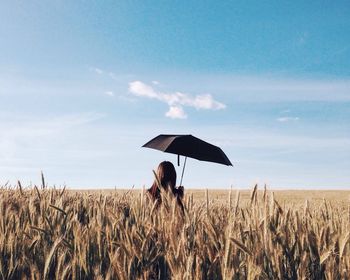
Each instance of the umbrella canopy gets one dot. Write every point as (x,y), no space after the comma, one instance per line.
(188,146)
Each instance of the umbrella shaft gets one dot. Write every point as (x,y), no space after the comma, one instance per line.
(183,170)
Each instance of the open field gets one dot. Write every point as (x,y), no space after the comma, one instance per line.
(48,233)
(289,197)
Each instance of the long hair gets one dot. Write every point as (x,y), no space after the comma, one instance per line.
(167,179)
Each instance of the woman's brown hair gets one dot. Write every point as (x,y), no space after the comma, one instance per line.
(167,179)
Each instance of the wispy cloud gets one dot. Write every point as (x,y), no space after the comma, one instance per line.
(288,119)
(26,131)
(27,125)
(176,100)
(109,93)
(110,74)
(50,143)
(257,88)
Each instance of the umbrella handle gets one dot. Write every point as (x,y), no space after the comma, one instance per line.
(183,170)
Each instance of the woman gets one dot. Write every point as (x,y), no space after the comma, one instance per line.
(167,179)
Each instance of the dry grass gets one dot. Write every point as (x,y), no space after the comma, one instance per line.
(56,234)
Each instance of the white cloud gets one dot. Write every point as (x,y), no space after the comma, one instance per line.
(140,89)
(155,83)
(206,101)
(287,119)
(176,112)
(176,100)
(109,93)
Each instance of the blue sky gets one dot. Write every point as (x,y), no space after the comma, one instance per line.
(84,84)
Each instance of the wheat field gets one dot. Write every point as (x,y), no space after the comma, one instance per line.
(49,233)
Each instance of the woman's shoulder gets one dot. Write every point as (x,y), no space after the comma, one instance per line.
(153,191)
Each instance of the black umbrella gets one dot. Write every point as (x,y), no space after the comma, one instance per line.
(188,146)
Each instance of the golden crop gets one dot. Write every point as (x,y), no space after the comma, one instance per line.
(50,233)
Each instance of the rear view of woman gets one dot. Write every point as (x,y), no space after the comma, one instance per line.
(167,179)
